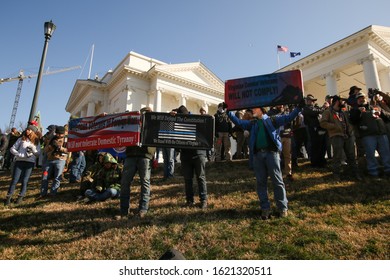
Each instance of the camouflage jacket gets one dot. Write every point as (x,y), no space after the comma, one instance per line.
(92,171)
(108,178)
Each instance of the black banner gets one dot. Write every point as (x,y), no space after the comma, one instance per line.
(180,131)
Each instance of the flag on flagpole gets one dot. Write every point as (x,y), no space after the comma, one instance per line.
(282,48)
(294,54)
(39,121)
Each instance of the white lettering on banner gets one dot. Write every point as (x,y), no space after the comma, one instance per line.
(109,141)
(124,140)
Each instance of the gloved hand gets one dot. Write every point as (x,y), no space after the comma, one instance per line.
(246,133)
(99,188)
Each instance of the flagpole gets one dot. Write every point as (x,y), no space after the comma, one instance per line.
(90,63)
(278,59)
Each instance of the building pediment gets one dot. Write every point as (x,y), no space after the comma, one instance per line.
(195,73)
(83,89)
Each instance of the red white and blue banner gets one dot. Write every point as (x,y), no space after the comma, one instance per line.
(179,131)
(101,132)
(264,90)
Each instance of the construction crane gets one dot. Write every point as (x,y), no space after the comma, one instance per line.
(20,78)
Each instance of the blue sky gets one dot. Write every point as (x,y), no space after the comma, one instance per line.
(232,38)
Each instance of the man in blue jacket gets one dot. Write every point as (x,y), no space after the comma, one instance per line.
(265,145)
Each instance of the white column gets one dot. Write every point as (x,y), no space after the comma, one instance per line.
(183,100)
(331,83)
(83,112)
(157,101)
(370,72)
(206,106)
(384,78)
(91,109)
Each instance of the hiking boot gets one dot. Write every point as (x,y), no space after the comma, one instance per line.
(41,196)
(19,200)
(189,204)
(86,200)
(7,201)
(203,204)
(142,214)
(374,178)
(121,217)
(265,214)
(358,177)
(290,177)
(283,213)
(337,177)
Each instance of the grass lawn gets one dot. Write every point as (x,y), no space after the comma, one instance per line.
(327,220)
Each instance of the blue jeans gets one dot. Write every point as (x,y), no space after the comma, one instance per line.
(268,164)
(76,167)
(130,168)
(22,172)
(198,166)
(52,168)
(381,144)
(96,196)
(169,162)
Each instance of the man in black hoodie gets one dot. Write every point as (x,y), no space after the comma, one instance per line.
(193,161)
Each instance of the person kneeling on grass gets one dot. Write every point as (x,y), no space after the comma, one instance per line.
(265,145)
(108,181)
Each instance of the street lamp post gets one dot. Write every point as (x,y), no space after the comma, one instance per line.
(49,29)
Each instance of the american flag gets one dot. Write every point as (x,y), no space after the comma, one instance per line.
(282,49)
(179,131)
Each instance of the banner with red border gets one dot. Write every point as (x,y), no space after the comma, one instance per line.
(265,90)
(101,132)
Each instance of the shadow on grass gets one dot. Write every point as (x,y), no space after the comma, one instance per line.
(334,193)
(87,221)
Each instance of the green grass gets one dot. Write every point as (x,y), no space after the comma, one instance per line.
(328,220)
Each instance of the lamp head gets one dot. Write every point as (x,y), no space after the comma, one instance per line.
(49,29)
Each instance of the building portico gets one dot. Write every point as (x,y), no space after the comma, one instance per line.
(140,81)
(361,59)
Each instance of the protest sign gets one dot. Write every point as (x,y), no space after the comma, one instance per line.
(179,131)
(101,132)
(265,90)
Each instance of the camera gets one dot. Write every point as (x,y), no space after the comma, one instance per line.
(56,147)
(372,92)
(29,152)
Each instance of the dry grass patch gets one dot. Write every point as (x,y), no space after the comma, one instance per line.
(328,220)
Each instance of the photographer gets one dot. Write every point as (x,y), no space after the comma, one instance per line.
(370,122)
(382,100)
(317,135)
(335,121)
(57,155)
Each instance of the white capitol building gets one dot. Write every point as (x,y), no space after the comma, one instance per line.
(361,59)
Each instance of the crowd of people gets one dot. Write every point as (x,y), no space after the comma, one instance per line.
(344,134)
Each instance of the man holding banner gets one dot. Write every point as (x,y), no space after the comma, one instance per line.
(265,145)
(193,161)
(138,159)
